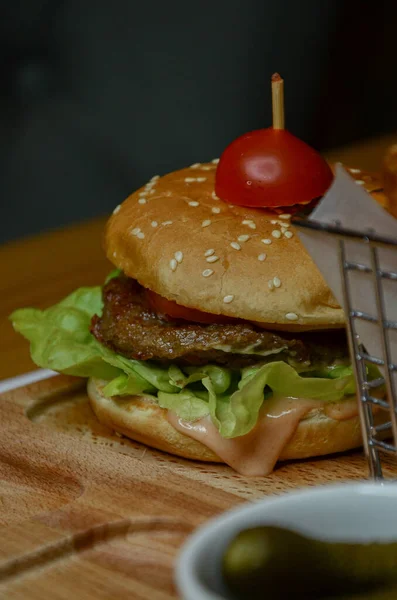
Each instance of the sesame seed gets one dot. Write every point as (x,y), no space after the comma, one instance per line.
(178,256)
(276,282)
(273,222)
(228,299)
(142,194)
(149,185)
(194,203)
(136,230)
(152,192)
(215,161)
(215,210)
(116,210)
(166,223)
(155,178)
(209,252)
(235,245)
(288,234)
(276,233)
(206,167)
(195,166)
(291,316)
(173,264)
(201,179)
(243,238)
(190,179)
(206,223)
(285,225)
(285,216)
(142,201)
(212,259)
(262,257)
(207,272)
(250,224)
(266,241)
(114,254)
(360,182)
(214,196)
(140,235)
(270,284)
(154,223)
(355,170)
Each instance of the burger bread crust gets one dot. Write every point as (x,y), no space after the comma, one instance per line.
(141,419)
(164,233)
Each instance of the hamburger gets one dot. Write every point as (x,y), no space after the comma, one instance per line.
(216,337)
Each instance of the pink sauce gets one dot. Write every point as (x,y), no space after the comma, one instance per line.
(256,453)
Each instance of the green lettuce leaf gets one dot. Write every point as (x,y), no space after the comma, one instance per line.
(127,384)
(186,404)
(113,274)
(60,339)
(237,414)
(219,376)
(283,380)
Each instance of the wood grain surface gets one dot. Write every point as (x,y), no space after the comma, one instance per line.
(86,514)
(40,271)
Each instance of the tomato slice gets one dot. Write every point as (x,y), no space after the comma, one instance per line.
(171,309)
(270,168)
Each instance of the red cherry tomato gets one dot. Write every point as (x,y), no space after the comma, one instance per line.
(271,167)
(171,309)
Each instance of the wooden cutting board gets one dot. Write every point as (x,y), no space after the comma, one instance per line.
(86,514)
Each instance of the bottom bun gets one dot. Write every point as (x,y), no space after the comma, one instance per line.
(141,419)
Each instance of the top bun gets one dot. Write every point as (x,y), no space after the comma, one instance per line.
(175,237)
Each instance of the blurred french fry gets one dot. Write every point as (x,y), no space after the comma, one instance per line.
(390,178)
(381,199)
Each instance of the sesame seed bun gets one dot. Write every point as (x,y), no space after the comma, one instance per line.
(179,240)
(141,419)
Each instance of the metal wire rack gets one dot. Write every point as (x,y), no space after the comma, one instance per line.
(377,438)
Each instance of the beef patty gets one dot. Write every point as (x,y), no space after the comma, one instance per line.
(130,327)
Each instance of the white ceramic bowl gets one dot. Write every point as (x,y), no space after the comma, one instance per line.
(346,512)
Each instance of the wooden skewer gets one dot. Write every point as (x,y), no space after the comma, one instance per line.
(278,101)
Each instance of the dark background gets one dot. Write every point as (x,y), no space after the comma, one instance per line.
(99,95)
